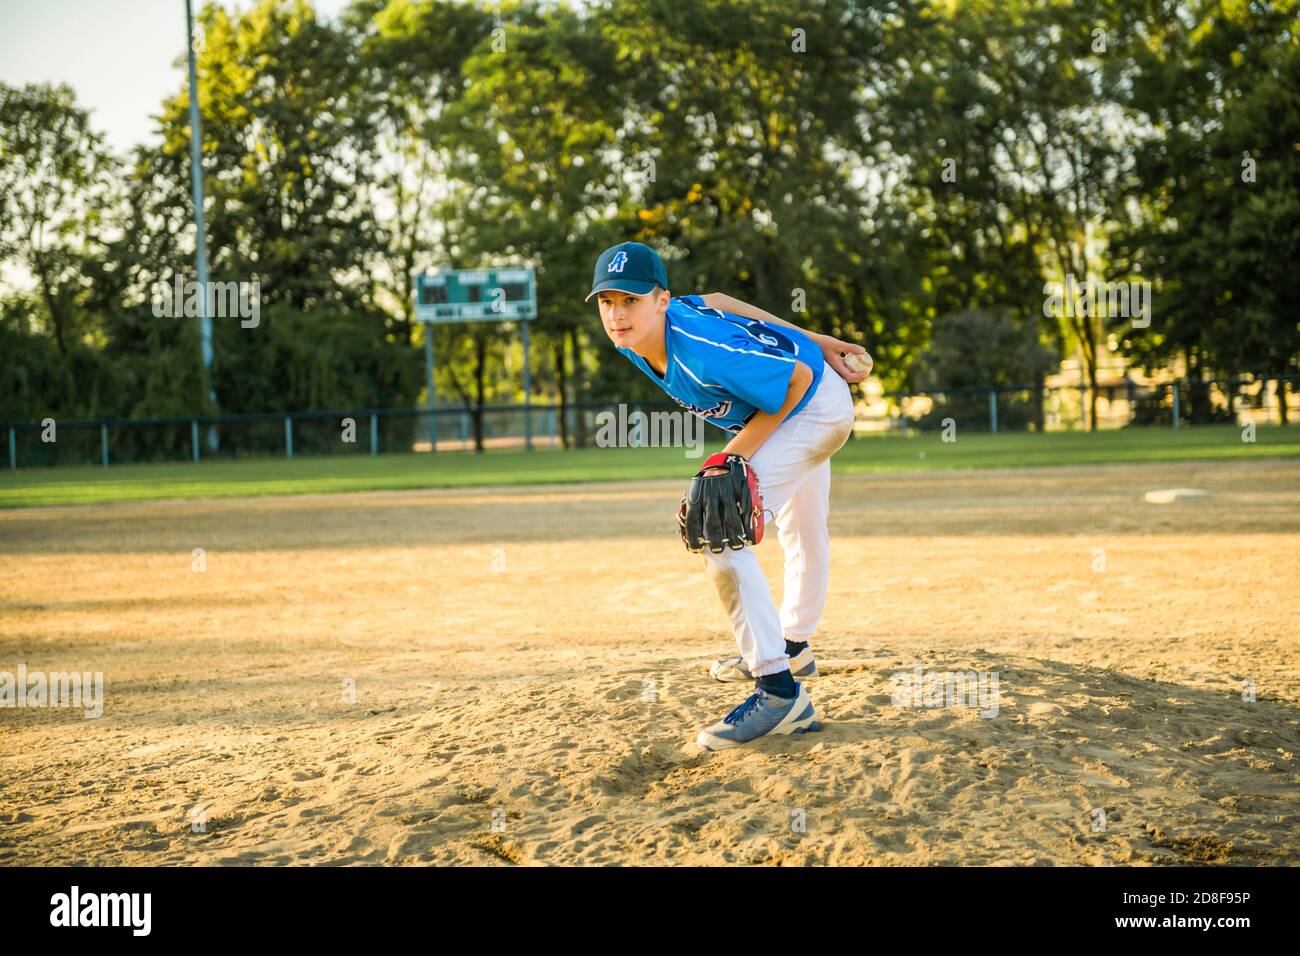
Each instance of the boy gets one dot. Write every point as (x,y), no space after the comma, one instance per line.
(782,393)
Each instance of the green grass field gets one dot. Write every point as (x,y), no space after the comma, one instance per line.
(278,476)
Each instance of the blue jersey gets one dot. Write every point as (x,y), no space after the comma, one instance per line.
(724,367)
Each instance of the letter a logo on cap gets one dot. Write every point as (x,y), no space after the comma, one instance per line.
(617,263)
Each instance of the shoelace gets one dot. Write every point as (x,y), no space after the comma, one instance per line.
(737,715)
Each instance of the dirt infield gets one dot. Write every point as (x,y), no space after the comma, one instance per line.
(530,670)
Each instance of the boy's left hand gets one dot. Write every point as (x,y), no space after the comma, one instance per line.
(833,349)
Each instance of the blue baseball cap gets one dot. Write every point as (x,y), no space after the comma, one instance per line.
(631,267)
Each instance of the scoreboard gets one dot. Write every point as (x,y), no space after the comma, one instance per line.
(475,295)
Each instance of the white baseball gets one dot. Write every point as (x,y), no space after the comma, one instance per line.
(857,361)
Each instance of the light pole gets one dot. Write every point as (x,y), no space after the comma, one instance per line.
(200,231)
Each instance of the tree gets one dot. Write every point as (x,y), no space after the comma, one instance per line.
(1218,224)
(981,348)
(288,152)
(55,176)
(1003,114)
(529,138)
(748,117)
(411,60)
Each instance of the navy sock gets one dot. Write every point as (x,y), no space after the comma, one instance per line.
(792,648)
(781,684)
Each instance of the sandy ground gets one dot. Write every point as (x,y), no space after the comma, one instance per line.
(530,671)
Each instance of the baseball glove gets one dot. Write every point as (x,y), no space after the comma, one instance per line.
(722,510)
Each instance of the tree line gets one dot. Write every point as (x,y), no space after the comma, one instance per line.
(910,175)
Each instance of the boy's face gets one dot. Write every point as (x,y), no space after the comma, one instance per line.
(629,318)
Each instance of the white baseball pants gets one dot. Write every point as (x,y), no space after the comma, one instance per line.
(794,474)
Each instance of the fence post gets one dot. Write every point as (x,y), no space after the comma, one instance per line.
(528,399)
(13,450)
(194,439)
(1175,388)
(288,435)
(993,410)
(429,384)
(103,443)
(374,433)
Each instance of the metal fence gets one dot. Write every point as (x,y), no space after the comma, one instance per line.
(295,434)
(378,431)
(1069,407)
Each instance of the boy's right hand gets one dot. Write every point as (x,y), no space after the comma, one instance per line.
(834,350)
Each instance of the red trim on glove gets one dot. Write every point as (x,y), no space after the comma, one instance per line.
(719,459)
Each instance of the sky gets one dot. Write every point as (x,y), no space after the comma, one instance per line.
(117,55)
